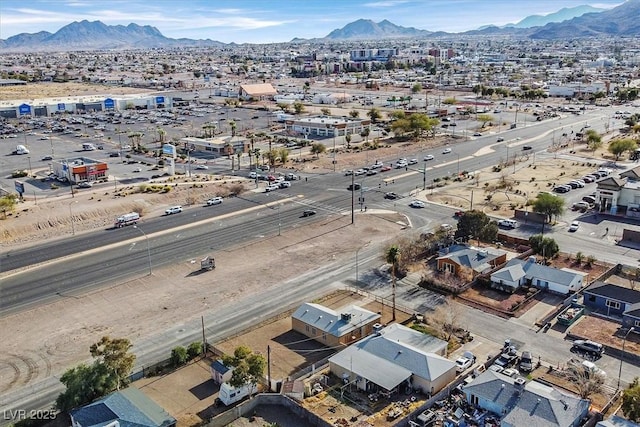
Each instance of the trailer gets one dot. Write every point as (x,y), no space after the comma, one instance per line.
(229,395)
(127,219)
(570,314)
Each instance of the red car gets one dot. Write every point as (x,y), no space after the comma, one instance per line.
(458,214)
(271,177)
(385,168)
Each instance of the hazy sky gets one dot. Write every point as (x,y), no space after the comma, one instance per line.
(267,21)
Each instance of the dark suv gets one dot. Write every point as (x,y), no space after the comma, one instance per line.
(590,347)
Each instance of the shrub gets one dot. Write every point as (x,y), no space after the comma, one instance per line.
(194,349)
(178,356)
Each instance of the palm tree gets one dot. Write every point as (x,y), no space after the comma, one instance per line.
(233,126)
(161,135)
(392,256)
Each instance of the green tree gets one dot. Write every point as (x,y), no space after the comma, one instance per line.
(548,205)
(545,246)
(162,134)
(325,111)
(8,203)
(416,88)
(233,125)
(392,257)
(354,114)
(594,145)
(631,401)
(248,367)
(283,155)
(476,225)
(347,139)
(179,356)
(365,133)
(317,149)
(298,107)
(619,147)
(484,119)
(284,106)
(84,383)
(114,354)
(374,115)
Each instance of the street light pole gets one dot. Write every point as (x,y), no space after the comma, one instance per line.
(148,247)
(624,341)
(73,226)
(30,170)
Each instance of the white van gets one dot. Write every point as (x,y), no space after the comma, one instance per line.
(87,146)
(229,394)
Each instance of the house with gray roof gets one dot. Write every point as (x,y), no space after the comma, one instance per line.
(220,373)
(616,421)
(125,408)
(517,273)
(620,195)
(520,403)
(395,358)
(457,257)
(614,301)
(333,327)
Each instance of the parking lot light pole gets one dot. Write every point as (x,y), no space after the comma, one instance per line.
(148,247)
(624,341)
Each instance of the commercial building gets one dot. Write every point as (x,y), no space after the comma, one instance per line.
(327,126)
(222,146)
(80,169)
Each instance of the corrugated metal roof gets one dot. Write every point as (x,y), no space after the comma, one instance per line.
(335,322)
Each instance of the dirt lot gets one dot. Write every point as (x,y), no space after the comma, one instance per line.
(189,393)
(605,332)
(54,90)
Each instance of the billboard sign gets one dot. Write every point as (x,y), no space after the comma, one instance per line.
(109,103)
(169,150)
(25,109)
(61,106)
(159,99)
(20,187)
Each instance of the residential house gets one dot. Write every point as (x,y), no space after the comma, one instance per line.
(455,258)
(333,327)
(521,403)
(615,301)
(395,358)
(616,421)
(220,373)
(517,273)
(125,408)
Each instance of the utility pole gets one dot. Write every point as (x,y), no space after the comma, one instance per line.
(353,180)
(204,338)
(269,367)
(424,177)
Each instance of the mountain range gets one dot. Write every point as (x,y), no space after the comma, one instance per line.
(581,21)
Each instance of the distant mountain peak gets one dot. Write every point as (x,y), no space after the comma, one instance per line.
(363,29)
(563,14)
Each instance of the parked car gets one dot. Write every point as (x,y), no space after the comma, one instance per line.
(588,179)
(589,199)
(85,184)
(417,204)
(562,188)
(202,167)
(284,184)
(173,210)
(348,172)
(271,187)
(308,212)
(587,346)
(253,174)
(462,364)
(577,182)
(291,177)
(428,157)
(580,206)
(574,226)
(526,362)
(137,170)
(458,214)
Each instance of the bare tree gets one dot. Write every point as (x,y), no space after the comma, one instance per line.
(447,318)
(586,381)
